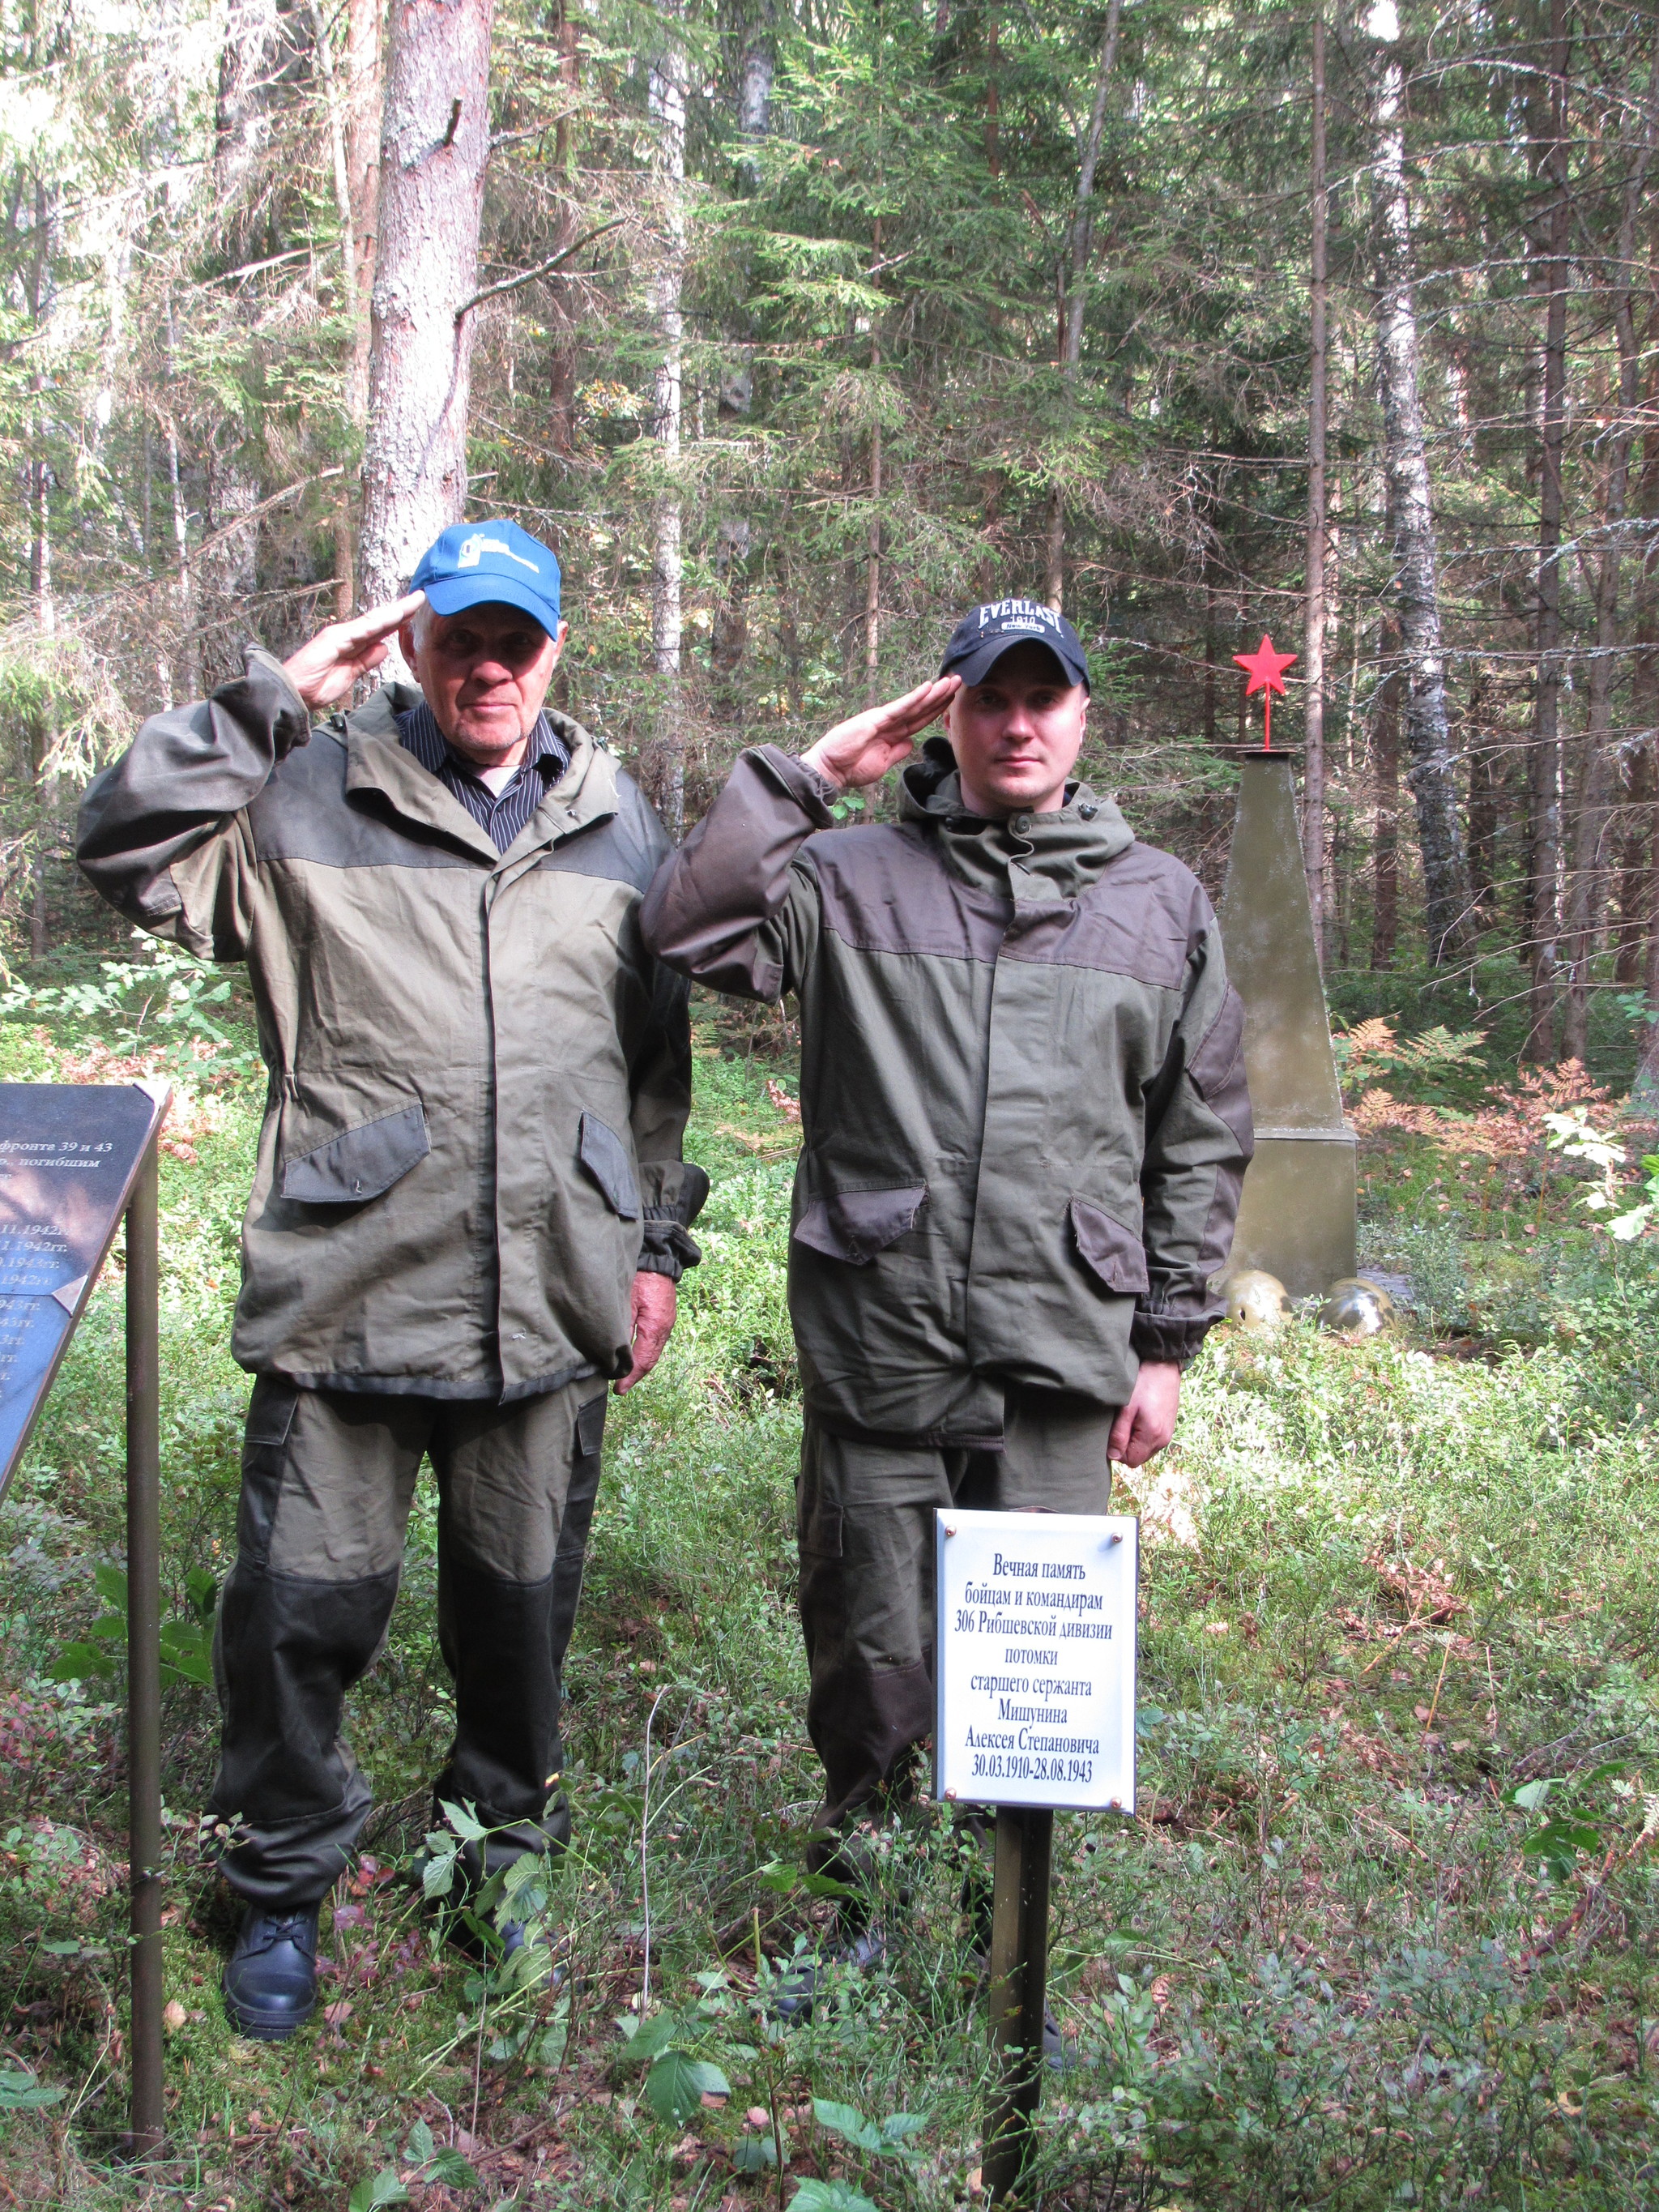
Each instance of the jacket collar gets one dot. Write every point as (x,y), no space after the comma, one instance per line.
(1048,856)
(378,763)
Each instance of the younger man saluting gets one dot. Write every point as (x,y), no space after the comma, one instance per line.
(1025,1125)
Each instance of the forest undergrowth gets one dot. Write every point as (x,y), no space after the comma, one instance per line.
(1381,1931)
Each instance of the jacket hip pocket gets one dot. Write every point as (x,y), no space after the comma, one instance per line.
(360,1164)
(1113,1254)
(855,1224)
(605,1156)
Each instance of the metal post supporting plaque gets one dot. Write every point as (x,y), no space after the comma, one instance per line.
(1019,1982)
(144,1652)
(1035,1678)
(74,1159)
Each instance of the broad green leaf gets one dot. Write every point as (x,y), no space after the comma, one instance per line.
(755,2154)
(898,2127)
(21,2093)
(438,1874)
(418,2150)
(847,2121)
(1531,1795)
(674,2088)
(830,2197)
(649,2038)
(111,1585)
(77,1662)
(203,1590)
(382,2188)
(452,2168)
(464,1821)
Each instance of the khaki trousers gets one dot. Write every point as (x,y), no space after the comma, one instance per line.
(864,1523)
(327,1481)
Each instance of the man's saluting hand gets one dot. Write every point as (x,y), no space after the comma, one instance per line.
(861,750)
(326,668)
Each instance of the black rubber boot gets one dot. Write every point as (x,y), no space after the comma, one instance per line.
(271,1981)
(800,1989)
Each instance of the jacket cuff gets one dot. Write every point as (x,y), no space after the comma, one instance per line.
(813,793)
(290,717)
(1167,1336)
(668,1248)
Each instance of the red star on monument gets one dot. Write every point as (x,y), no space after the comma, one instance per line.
(1266,670)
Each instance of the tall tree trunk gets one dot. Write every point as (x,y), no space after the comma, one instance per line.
(41,481)
(1313,629)
(1485,789)
(436,144)
(261,56)
(364,99)
(669,80)
(344,540)
(1074,293)
(1544,869)
(1428,738)
(1385,842)
(563,321)
(1584,890)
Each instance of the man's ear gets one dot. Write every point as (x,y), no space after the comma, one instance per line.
(564,632)
(409,649)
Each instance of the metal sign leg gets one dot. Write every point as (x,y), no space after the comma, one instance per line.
(1019,1977)
(144,1656)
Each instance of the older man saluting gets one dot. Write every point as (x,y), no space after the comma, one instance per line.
(469,1210)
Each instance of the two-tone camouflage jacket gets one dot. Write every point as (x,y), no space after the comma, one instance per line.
(1022,1101)
(479,1077)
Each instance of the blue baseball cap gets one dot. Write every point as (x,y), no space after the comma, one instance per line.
(475,562)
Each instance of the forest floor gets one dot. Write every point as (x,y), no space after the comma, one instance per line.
(1380,1932)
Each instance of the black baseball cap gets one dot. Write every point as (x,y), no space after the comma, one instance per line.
(985,633)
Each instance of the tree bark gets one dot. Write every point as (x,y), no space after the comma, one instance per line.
(1544,871)
(1313,630)
(364,99)
(1385,842)
(1431,775)
(1074,293)
(436,144)
(1584,899)
(562,319)
(670,78)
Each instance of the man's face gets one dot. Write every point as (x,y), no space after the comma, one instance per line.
(1017,736)
(485,672)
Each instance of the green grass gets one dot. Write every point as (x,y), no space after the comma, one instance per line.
(1331,1961)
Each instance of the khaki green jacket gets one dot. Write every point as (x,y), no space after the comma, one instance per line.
(1022,1100)
(479,1077)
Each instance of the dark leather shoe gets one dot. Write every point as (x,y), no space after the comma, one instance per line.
(800,1989)
(271,1981)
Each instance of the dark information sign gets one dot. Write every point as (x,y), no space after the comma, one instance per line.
(68,1155)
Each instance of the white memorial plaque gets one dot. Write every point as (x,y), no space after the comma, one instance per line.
(1035,1660)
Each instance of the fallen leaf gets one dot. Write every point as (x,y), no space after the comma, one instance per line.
(173,2016)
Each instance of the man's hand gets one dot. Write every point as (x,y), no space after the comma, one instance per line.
(1146,1424)
(326,668)
(861,750)
(655,1301)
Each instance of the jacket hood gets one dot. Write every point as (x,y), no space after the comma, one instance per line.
(1046,856)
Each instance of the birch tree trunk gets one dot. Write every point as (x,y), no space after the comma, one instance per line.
(1385,837)
(1584,889)
(1428,737)
(670,79)
(1313,630)
(1075,294)
(436,145)
(1544,905)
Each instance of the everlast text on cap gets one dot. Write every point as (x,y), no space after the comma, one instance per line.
(985,633)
